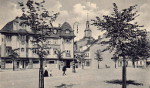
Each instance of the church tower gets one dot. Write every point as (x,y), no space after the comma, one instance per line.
(87,31)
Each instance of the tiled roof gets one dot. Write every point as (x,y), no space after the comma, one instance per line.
(22,31)
(65,26)
(8,27)
(61,31)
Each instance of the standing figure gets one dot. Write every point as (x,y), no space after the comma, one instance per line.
(50,73)
(45,72)
(64,70)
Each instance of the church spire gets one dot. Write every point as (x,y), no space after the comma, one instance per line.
(88,32)
(87,23)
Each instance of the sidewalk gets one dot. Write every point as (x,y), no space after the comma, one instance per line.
(83,78)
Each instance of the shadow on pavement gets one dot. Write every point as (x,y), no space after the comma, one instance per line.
(129,82)
(65,86)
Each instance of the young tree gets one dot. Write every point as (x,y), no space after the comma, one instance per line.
(13,55)
(140,48)
(59,54)
(40,21)
(98,57)
(115,59)
(81,58)
(120,31)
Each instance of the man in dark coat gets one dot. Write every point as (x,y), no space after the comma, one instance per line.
(64,70)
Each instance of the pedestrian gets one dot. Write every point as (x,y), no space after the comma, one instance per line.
(0,67)
(64,70)
(50,73)
(45,72)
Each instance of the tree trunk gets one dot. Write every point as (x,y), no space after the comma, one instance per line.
(59,64)
(41,76)
(137,64)
(13,65)
(82,65)
(124,73)
(98,64)
(146,63)
(133,64)
(115,65)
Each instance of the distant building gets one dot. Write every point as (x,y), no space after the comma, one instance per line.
(84,43)
(88,46)
(14,36)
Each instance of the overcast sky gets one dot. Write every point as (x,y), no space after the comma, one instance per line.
(76,10)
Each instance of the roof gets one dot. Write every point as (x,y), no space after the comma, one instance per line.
(61,31)
(65,26)
(22,31)
(91,44)
(8,27)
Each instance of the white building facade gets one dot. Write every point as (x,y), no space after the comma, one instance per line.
(13,36)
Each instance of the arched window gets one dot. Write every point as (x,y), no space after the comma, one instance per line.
(54,31)
(67,31)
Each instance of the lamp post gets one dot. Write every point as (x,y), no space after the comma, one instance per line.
(74,70)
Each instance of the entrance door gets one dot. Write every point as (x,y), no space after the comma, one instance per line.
(67,63)
(17,64)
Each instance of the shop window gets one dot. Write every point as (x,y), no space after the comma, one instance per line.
(51,62)
(35,62)
(8,62)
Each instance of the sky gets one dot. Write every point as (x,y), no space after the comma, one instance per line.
(72,11)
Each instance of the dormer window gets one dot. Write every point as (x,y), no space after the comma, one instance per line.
(55,31)
(67,31)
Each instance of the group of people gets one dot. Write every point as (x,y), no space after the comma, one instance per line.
(46,74)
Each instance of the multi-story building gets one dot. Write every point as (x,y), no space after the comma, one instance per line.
(15,36)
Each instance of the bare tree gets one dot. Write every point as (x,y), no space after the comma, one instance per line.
(98,57)
(13,55)
(115,59)
(59,54)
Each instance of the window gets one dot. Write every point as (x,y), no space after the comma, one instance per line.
(8,50)
(34,51)
(67,31)
(35,62)
(68,40)
(86,54)
(8,62)
(55,51)
(22,38)
(8,37)
(51,62)
(55,41)
(48,52)
(55,31)
(22,49)
(68,53)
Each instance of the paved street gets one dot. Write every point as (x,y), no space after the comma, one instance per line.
(87,78)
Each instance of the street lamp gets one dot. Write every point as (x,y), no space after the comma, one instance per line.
(73,70)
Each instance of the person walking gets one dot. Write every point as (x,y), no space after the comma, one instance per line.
(64,70)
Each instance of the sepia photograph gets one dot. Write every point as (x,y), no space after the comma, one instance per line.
(74,44)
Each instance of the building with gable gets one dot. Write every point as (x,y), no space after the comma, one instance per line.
(15,36)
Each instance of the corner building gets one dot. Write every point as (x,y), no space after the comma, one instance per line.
(14,36)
